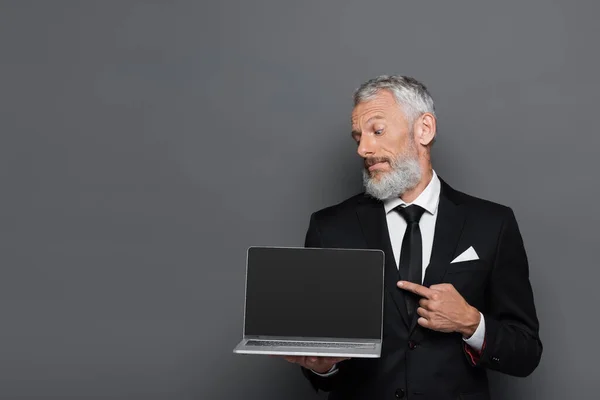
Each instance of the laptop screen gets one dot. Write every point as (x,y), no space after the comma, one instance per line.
(300,292)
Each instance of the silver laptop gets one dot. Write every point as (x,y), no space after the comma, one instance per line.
(313,302)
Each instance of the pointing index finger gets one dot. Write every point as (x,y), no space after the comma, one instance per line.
(419,290)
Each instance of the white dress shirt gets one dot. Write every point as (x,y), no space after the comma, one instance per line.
(428,199)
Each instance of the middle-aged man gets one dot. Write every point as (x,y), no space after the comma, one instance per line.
(458,300)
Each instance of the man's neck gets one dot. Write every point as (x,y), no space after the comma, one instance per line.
(412,194)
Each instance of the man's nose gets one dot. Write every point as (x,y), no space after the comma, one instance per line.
(366,147)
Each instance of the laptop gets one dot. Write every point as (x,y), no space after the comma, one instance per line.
(313,302)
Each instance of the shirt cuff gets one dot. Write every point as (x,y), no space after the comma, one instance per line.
(476,340)
(332,371)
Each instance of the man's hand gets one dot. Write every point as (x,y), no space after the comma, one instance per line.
(443,309)
(317,364)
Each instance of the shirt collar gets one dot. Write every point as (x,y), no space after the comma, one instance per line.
(428,199)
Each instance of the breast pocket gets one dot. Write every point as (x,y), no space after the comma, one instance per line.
(467,266)
(469,278)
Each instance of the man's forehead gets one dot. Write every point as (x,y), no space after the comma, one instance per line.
(367,118)
(368,113)
(379,106)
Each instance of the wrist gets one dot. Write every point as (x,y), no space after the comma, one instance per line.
(471,323)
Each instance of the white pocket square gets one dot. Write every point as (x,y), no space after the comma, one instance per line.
(467,255)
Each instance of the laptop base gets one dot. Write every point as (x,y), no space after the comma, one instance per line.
(320,348)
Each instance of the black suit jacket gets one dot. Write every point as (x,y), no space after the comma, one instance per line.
(418,363)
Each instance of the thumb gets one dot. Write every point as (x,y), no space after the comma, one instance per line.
(440,287)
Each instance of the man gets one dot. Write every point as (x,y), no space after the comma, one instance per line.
(458,300)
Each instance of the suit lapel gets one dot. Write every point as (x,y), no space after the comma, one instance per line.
(371,215)
(448,227)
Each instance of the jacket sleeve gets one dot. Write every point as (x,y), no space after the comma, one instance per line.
(512,343)
(326,384)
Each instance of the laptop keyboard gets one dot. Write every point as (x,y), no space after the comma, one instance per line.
(310,344)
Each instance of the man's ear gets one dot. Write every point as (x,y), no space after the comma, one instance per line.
(425,129)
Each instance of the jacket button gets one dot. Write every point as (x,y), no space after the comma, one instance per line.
(399,393)
(412,345)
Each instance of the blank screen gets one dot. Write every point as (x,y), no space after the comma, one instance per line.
(314,292)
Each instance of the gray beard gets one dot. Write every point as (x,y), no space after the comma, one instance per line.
(405,175)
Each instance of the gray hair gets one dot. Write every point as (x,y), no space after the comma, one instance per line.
(410,94)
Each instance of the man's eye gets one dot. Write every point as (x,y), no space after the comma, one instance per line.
(379,131)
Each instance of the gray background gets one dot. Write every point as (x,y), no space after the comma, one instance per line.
(145,145)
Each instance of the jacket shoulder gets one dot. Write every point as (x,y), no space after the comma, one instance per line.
(344,208)
(478,204)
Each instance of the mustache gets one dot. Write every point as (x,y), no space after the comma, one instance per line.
(375,160)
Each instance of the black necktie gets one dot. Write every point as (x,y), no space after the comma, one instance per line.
(411,254)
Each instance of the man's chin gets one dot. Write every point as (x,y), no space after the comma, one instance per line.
(377,174)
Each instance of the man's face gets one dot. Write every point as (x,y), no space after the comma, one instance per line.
(386,143)
(382,133)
